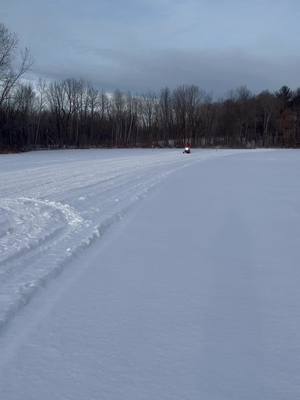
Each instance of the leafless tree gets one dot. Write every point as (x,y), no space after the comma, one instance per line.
(11,69)
(73,113)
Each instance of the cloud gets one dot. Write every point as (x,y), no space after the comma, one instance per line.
(147,44)
(138,70)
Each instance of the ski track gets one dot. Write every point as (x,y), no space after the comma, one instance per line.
(51,210)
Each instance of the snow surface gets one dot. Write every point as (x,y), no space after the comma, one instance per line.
(53,204)
(195,295)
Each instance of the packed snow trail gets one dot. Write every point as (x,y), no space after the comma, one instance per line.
(195,295)
(54,204)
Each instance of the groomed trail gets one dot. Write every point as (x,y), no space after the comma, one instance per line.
(55,204)
(194,295)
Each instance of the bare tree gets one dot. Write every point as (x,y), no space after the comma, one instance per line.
(11,69)
(166,114)
(72,112)
(40,106)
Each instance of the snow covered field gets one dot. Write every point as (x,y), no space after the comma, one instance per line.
(194,295)
(53,204)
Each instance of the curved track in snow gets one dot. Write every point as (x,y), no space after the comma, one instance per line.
(194,296)
(53,204)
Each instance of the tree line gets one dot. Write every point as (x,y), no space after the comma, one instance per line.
(73,113)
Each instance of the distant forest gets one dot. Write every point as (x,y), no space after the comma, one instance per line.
(73,113)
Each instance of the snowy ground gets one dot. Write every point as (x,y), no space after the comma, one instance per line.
(195,294)
(54,204)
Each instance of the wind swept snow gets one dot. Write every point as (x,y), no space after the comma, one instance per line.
(52,204)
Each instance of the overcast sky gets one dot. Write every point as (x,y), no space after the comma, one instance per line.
(148,44)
